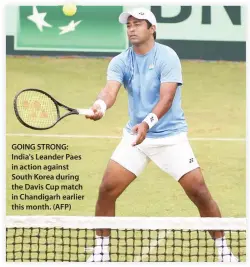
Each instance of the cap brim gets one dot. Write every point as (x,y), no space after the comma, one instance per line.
(123,18)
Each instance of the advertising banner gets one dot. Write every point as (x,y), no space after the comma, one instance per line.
(90,29)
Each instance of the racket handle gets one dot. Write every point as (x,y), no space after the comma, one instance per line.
(88,112)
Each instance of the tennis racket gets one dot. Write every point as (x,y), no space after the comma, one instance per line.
(38,110)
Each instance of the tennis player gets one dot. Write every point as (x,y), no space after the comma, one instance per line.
(157,130)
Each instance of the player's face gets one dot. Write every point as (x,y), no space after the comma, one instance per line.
(138,31)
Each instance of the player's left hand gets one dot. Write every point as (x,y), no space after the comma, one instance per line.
(141,131)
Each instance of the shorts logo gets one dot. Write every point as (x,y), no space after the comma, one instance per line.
(191,160)
(141,13)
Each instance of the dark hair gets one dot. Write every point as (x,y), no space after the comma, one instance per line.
(149,25)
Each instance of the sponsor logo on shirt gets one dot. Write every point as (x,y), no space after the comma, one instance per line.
(151,66)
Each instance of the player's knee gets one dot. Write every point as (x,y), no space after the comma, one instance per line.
(200,194)
(107,190)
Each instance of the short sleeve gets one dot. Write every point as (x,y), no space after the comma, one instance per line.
(170,70)
(115,70)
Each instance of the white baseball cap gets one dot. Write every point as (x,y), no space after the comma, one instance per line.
(139,13)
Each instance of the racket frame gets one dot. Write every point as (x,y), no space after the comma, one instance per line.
(72,111)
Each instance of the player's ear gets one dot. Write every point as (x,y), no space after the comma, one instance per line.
(153,28)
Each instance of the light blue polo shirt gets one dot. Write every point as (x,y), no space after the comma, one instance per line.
(142,76)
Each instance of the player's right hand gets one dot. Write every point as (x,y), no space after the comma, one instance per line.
(97,113)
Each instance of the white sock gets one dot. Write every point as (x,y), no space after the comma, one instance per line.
(102,244)
(221,244)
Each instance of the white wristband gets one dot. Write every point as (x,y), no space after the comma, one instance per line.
(102,105)
(151,120)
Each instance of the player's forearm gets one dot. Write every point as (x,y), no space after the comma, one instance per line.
(158,111)
(109,93)
(108,98)
(162,107)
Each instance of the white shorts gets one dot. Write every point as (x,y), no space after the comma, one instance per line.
(172,154)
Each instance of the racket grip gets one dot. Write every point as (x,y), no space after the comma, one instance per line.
(88,112)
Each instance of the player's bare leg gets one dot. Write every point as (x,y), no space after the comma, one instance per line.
(196,189)
(115,180)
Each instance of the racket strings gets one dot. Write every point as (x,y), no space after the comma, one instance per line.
(37,109)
